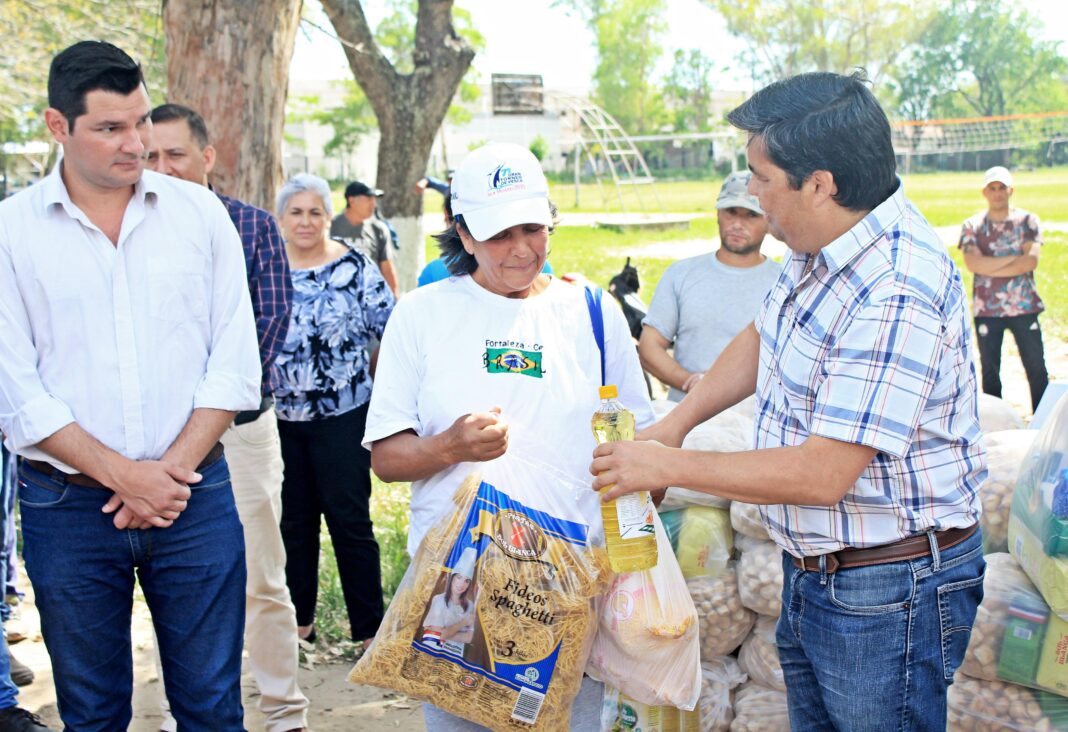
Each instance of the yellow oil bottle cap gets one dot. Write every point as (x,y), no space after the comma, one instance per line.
(609,391)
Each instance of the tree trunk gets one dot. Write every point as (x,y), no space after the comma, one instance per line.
(409,107)
(229,60)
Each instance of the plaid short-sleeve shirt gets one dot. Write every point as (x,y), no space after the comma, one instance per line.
(872,347)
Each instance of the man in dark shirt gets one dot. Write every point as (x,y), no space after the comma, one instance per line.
(358,227)
(180,148)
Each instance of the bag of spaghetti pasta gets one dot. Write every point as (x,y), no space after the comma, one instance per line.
(495,617)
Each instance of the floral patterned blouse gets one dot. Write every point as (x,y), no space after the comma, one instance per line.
(1002,297)
(338,308)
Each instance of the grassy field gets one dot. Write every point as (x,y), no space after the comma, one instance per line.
(945,198)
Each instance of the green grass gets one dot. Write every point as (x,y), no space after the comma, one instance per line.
(945,198)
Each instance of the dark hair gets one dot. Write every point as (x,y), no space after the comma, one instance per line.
(456,258)
(89,66)
(465,596)
(197,127)
(825,121)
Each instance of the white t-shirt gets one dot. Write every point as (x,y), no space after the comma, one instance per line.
(453,347)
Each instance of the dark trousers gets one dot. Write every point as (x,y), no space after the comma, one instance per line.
(327,473)
(990,333)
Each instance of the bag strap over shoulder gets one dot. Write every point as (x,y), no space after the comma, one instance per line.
(593,302)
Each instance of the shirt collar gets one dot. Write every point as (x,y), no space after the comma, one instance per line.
(55,192)
(847,246)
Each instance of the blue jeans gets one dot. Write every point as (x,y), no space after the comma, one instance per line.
(193,577)
(874,649)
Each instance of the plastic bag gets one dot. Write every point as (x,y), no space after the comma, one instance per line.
(759,656)
(746,520)
(995,706)
(760,709)
(724,621)
(760,576)
(702,539)
(1015,637)
(495,618)
(647,643)
(719,677)
(729,431)
(1005,454)
(1038,523)
(996,415)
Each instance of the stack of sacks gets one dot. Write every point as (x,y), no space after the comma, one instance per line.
(1016,642)
(1005,452)
(996,415)
(1038,521)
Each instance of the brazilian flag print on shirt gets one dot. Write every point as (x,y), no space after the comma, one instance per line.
(513,361)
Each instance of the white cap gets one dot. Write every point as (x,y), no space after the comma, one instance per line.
(497,186)
(998,174)
(465,565)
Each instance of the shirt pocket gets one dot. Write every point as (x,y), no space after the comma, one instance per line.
(179,287)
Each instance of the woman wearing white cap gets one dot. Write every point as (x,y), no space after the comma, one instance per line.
(498,349)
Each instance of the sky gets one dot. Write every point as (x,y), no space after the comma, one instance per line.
(528,37)
(531,37)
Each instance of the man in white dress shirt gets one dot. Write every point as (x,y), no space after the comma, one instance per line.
(129,347)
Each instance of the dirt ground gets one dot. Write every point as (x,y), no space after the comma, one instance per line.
(336,705)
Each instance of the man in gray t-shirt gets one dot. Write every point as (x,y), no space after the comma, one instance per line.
(701,303)
(358,227)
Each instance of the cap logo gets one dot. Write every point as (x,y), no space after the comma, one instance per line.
(503,179)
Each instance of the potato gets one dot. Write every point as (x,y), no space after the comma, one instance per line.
(760,576)
(760,709)
(974,705)
(724,622)
(759,656)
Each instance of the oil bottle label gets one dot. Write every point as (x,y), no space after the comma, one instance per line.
(635,515)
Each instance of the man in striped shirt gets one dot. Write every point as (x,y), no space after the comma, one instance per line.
(180,148)
(867,459)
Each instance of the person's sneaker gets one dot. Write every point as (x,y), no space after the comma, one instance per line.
(21,674)
(16,719)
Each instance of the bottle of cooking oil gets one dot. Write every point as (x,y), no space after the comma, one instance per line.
(690,721)
(628,520)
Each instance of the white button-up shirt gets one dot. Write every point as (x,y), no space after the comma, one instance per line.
(125,340)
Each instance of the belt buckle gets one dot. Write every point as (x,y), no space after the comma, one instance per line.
(832,563)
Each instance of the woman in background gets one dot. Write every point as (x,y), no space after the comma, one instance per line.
(323,377)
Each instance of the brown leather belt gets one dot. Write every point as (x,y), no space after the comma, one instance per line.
(85,481)
(912,547)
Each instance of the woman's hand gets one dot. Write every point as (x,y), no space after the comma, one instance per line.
(477,437)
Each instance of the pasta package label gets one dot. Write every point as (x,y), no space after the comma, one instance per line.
(496,622)
(477,594)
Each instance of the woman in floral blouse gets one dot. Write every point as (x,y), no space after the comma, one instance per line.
(323,375)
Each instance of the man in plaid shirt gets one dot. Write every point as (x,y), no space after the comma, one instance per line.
(180,148)
(867,459)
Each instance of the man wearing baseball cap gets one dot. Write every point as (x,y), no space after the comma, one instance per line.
(1001,247)
(358,227)
(703,302)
